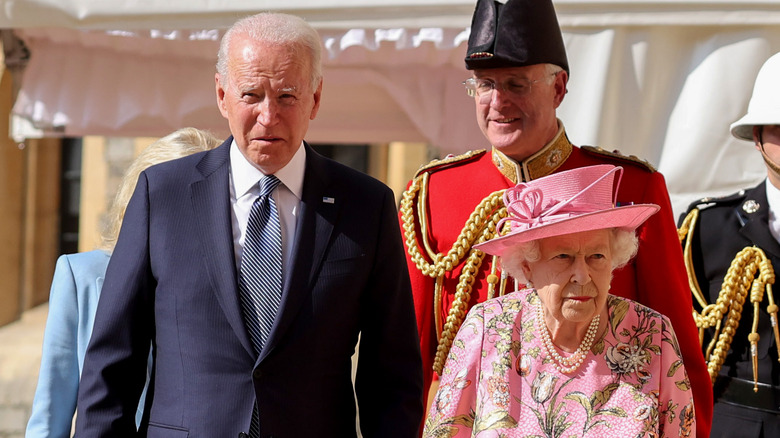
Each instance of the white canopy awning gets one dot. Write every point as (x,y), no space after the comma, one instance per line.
(347,14)
(659,79)
(380,85)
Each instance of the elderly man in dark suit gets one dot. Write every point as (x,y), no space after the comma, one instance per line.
(252,269)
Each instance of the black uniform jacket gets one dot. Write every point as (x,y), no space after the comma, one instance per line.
(725,226)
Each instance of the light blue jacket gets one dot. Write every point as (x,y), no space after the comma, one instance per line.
(73,300)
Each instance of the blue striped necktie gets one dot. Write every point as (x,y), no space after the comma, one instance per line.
(260,279)
(260,276)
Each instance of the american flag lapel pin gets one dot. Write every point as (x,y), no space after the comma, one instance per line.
(328,200)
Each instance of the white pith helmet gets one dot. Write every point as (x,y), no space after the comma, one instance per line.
(764,106)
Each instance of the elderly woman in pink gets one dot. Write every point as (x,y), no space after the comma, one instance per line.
(562,357)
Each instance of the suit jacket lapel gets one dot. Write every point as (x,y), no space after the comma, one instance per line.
(312,234)
(756,224)
(211,203)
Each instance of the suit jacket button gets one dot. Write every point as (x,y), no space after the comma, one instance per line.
(257,374)
(243,435)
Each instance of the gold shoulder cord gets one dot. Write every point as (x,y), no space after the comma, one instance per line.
(481,226)
(741,276)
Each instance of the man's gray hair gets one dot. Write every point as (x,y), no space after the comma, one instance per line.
(275,28)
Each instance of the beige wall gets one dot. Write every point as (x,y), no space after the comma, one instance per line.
(41,219)
(104,162)
(403,161)
(29,202)
(92,204)
(11,176)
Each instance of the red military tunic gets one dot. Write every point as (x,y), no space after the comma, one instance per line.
(656,277)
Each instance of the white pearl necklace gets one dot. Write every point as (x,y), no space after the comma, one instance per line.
(569,364)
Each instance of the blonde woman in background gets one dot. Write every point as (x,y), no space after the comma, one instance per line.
(74,296)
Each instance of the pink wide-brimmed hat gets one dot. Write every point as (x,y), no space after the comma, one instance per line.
(568,202)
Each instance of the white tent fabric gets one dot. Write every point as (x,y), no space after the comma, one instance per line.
(347,14)
(661,80)
(669,94)
(380,85)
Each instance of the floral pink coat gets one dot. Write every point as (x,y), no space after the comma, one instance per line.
(497,381)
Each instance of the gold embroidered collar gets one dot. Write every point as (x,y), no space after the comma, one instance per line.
(542,163)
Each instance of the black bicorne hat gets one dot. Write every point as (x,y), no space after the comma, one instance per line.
(515,34)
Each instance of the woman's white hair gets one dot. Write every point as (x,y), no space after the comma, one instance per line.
(282,29)
(177,144)
(623,246)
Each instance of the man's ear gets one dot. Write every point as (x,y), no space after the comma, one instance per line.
(561,80)
(220,88)
(317,97)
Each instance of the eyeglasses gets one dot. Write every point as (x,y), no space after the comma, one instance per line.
(517,87)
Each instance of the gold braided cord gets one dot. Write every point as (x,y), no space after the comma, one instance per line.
(437,292)
(773,309)
(741,278)
(459,308)
(484,213)
(480,226)
(729,303)
(492,278)
(750,274)
(423,217)
(731,299)
(458,311)
(686,232)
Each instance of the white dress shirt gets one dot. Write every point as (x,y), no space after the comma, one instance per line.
(773,199)
(244,190)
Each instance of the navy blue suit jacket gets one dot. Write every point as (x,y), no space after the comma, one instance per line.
(172,279)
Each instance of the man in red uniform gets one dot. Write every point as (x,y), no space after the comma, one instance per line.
(520,72)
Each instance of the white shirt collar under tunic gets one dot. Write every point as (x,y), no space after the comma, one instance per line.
(244,189)
(773,201)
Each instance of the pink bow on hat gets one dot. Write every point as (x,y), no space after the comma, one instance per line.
(567,202)
(526,207)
